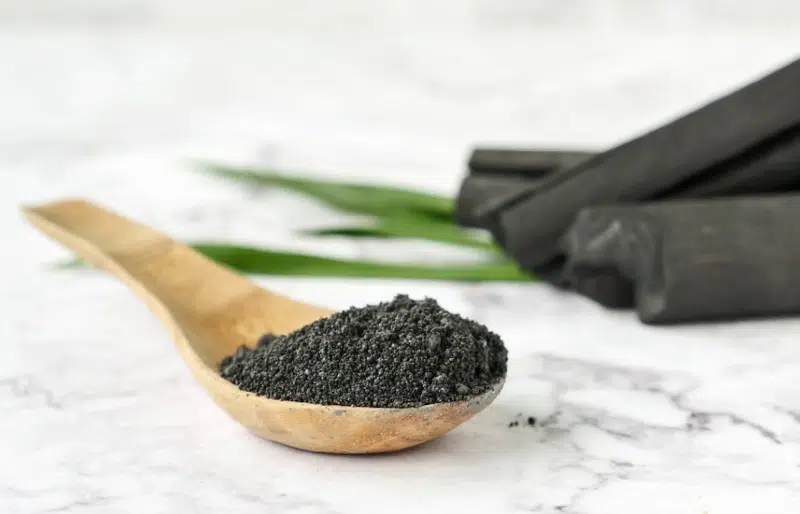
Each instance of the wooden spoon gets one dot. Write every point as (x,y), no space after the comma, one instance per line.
(211,311)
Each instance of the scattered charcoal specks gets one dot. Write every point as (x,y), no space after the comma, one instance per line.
(530,420)
(401,353)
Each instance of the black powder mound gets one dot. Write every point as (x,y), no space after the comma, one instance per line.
(402,353)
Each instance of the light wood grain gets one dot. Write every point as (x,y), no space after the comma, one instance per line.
(211,310)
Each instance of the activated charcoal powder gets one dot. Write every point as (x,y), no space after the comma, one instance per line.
(401,353)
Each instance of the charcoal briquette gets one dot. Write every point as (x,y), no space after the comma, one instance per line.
(698,260)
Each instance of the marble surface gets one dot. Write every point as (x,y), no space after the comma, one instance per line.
(111,99)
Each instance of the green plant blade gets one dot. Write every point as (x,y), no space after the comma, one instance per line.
(372,200)
(253,260)
(267,262)
(400,213)
(355,232)
(409,229)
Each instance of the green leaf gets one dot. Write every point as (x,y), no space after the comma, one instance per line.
(266,262)
(409,228)
(356,232)
(383,201)
(400,213)
(72,264)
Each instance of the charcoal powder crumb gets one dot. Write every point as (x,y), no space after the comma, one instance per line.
(266,339)
(395,354)
(513,424)
(531,420)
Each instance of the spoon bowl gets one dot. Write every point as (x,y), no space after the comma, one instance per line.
(210,311)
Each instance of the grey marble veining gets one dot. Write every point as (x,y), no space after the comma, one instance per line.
(109,99)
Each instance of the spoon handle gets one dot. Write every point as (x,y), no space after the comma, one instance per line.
(158,268)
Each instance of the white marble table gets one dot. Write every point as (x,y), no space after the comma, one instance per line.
(108,99)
